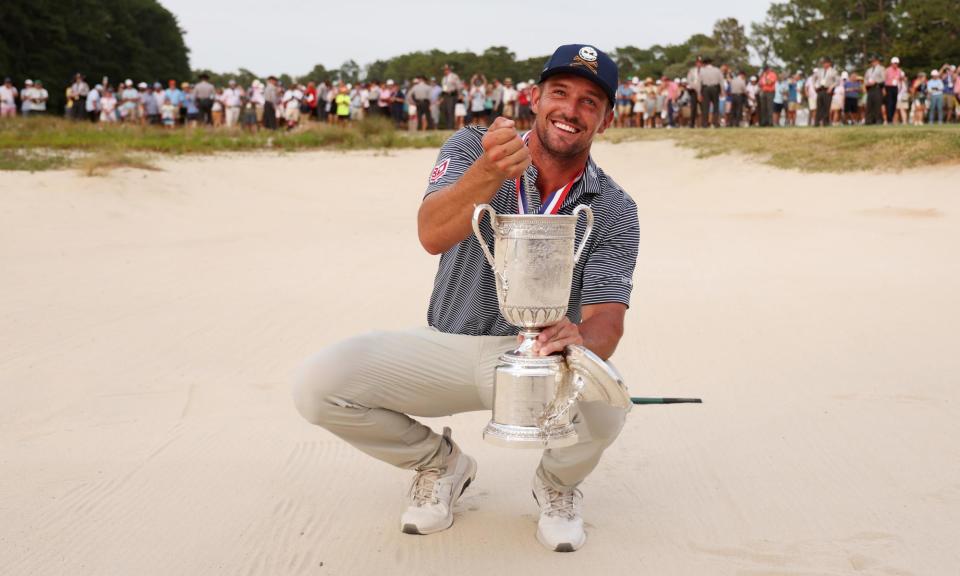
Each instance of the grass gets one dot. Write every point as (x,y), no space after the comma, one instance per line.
(52,143)
(837,149)
(47,143)
(101,163)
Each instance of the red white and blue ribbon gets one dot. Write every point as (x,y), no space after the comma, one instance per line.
(553,202)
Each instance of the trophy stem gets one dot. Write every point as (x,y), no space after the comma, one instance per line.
(526,347)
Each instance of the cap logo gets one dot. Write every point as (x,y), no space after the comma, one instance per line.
(587,58)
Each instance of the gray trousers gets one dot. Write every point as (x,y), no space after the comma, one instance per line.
(365,390)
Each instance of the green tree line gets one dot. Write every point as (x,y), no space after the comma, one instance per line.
(52,40)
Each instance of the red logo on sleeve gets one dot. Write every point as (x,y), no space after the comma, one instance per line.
(439,170)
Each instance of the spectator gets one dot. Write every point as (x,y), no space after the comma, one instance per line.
(874,81)
(824,82)
(436,95)
(232,100)
(892,77)
(935,94)
(509,99)
(624,98)
(711,80)
(39,97)
(292,102)
(837,100)
(396,107)
(145,99)
(175,95)
(903,101)
(168,113)
(738,89)
(8,99)
(949,97)
(204,92)
(419,97)
(918,91)
(270,100)
(478,98)
(753,97)
(192,110)
(693,88)
(78,97)
(129,102)
(450,86)
(92,104)
(216,108)
(385,97)
(108,106)
(768,92)
(257,99)
(852,91)
(342,102)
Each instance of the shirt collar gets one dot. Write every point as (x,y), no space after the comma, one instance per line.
(588,186)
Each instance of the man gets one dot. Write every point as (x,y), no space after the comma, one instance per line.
(78,97)
(270,100)
(232,100)
(419,95)
(384,98)
(8,99)
(204,92)
(129,102)
(92,104)
(874,81)
(149,110)
(949,98)
(824,82)
(496,96)
(174,94)
(693,89)
(738,88)
(711,83)
(450,86)
(768,93)
(624,103)
(509,99)
(38,98)
(362,389)
(891,85)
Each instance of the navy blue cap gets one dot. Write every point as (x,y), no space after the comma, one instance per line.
(587,62)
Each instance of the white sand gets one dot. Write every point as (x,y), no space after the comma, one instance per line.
(150,324)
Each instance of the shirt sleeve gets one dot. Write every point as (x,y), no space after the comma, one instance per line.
(456,155)
(608,273)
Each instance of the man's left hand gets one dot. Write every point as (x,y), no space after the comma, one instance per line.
(557,337)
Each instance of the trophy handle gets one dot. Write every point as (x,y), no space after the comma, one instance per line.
(477,214)
(576,214)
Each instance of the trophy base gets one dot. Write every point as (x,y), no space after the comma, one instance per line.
(510,436)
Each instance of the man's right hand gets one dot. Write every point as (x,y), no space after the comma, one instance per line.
(505,156)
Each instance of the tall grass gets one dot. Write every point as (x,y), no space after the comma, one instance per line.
(834,149)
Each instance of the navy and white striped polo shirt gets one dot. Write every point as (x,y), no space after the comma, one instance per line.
(464,299)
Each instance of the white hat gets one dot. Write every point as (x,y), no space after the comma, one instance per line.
(894,60)
(659,82)
(635,79)
(845,75)
(389,81)
(934,72)
(753,78)
(676,80)
(28,82)
(142,85)
(129,82)
(522,86)
(98,87)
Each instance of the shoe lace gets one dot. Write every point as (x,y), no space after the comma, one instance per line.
(562,503)
(423,489)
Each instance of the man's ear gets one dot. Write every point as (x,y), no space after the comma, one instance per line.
(607,120)
(535,94)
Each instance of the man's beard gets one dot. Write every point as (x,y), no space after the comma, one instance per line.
(543,134)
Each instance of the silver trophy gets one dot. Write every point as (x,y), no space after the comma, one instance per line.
(534,396)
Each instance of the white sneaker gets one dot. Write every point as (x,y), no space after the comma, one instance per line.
(435,490)
(560,527)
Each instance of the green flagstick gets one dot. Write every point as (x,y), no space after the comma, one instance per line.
(637,400)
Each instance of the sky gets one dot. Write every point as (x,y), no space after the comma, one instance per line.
(225,35)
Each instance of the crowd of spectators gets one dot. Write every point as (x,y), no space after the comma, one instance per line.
(709,96)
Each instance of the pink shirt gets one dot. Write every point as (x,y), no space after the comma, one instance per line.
(892,76)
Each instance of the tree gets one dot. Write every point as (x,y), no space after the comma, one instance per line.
(731,43)
(349,72)
(51,40)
